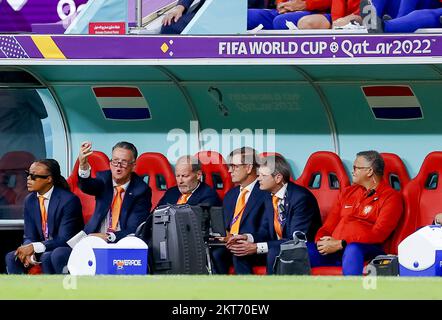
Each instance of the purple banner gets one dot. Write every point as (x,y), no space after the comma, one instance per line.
(32,15)
(149,6)
(253,47)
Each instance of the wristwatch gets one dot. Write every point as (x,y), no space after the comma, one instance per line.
(110,236)
(343,244)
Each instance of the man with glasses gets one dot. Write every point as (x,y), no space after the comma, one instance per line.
(123,199)
(294,208)
(243,208)
(363,217)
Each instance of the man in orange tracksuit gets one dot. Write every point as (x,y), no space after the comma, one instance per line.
(363,217)
(293,10)
(342,13)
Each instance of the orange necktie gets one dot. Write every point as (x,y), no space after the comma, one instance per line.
(239,209)
(183,199)
(116,207)
(276,222)
(44,215)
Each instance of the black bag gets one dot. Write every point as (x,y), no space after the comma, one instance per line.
(177,241)
(385,265)
(293,257)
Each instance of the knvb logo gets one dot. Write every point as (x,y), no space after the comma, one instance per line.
(125,263)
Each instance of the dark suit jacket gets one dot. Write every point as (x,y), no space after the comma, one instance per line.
(301,212)
(204,194)
(134,210)
(65,219)
(186,3)
(253,213)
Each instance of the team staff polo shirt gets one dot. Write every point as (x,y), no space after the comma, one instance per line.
(364,216)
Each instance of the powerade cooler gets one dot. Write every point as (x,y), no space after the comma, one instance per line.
(92,255)
(420,254)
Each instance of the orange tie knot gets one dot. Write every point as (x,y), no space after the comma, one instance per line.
(119,189)
(184,197)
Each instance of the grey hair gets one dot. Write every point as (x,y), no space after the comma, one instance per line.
(192,160)
(376,160)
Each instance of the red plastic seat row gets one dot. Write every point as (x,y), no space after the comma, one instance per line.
(324,174)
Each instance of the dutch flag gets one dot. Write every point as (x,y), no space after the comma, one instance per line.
(393,102)
(122,103)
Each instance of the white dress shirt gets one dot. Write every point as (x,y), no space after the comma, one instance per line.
(39,247)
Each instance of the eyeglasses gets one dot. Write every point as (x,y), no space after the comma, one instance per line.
(360,168)
(36,176)
(121,163)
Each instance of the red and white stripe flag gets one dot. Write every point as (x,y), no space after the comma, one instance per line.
(393,102)
(122,103)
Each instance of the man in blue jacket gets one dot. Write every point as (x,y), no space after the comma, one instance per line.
(123,199)
(52,215)
(189,188)
(293,208)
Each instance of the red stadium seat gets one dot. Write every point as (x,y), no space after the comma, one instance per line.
(256,270)
(395,172)
(265,154)
(327,271)
(160,175)
(423,194)
(16,160)
(98,162)
(34,270)
(324,175)
(405,227)
(215,171)
(12,168)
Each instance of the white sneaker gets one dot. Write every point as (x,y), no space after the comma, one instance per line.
(291,25)
(352,25)
(257,29)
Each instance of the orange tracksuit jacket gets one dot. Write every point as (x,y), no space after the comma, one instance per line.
(360,217)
